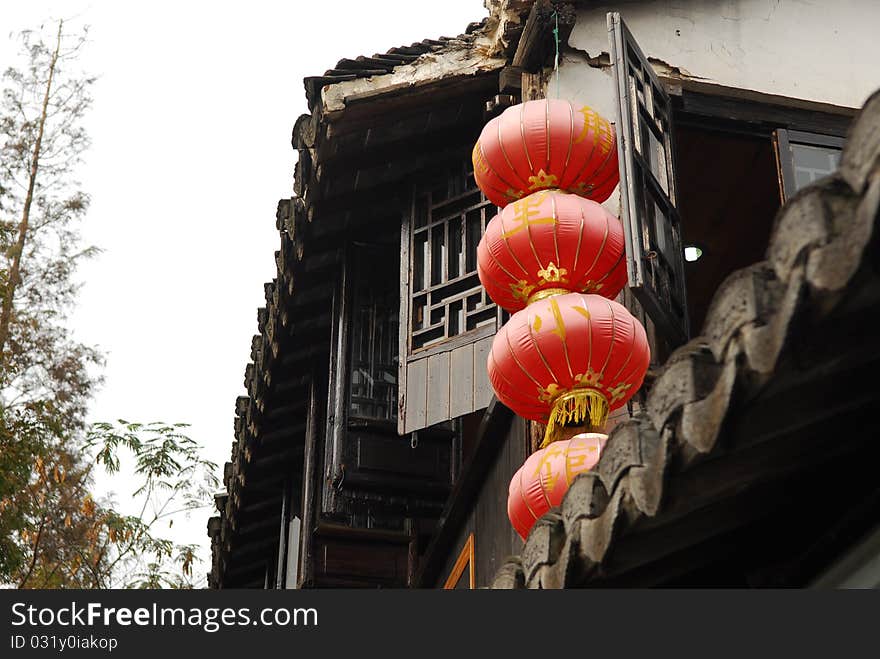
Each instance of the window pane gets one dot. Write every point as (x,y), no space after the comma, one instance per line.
(438,254)
(657,159)
(812,163)
(474,233)
(419,259)
(454,255)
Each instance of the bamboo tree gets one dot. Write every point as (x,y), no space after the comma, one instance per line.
(14,276)
(45,378)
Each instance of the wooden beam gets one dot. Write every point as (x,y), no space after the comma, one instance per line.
(355,181)
(309,485)
(280,434)
(537,42)
(233,575)
(317,262)
(328,529)
(259,525)
(284,411)
(291,383)
(465,129)
(267,480)
(249,549)
(309,293)
(260,504)
(510,80)
(268,461)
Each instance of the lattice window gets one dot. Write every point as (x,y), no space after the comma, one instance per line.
(447,320)
(449,216)
(374,338)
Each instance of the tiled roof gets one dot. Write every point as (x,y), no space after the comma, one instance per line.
(383,63)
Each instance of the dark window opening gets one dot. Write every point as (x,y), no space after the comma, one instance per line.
(374,333)
(728,196)
(732,178)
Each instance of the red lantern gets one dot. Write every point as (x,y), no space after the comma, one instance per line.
(546,144)
(568,360)
(546,475)
(551,241)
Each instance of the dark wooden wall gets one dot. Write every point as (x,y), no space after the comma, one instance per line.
(494,537)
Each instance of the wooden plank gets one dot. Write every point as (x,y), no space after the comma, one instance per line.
(760,110)
(438,389)
(373,561)
(309,487)
(482,389)
(465,560)
(461,381)
(416,395)
(405,417)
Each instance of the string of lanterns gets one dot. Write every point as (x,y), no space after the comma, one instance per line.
(555,258)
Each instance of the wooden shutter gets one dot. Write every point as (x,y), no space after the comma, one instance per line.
(647,187)
(446,319)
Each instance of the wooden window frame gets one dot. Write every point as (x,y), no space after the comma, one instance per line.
(783,139)
(781,120)
(425,397)
(754,113)
(465,560)
(655,259)
(354,255)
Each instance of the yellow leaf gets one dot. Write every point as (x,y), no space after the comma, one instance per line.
(88,506)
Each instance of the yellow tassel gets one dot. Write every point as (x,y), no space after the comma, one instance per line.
(576,408)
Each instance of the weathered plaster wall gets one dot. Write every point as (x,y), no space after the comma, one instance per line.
(820,51)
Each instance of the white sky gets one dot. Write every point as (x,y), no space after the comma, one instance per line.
(191,130)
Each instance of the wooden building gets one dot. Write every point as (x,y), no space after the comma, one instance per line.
(369,450)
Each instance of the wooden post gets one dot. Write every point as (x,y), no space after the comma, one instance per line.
(282,537)
(308,487)
(532,86)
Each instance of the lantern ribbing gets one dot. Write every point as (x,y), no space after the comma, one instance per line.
(545,144)
(551,241)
